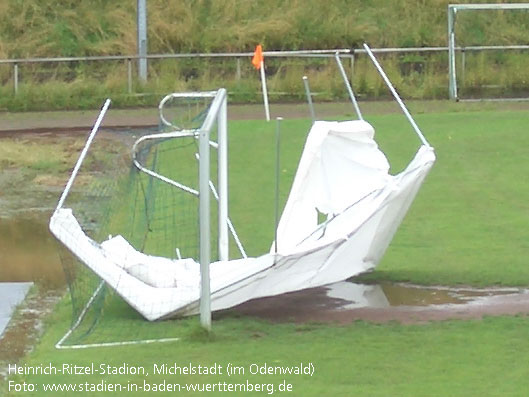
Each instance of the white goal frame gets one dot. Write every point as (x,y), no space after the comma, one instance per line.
(217,114)
(453,9)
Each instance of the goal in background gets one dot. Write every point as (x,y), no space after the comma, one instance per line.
(488,62)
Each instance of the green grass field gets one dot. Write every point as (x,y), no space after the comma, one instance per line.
(468,225)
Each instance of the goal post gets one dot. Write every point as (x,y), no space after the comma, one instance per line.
(217,113)
(453,9)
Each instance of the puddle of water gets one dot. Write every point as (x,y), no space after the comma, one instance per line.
(354,295)
(12,294)
(28,252)
(331,301)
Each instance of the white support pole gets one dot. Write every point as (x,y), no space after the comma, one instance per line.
(222,123)
(230,225)
(396,96)
(265,91)
(205,251)
(348,86)
(278,173)
(83,154)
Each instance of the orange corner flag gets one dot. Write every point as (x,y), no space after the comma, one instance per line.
(258,57)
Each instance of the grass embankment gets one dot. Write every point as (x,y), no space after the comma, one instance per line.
(467,225)
(35,29)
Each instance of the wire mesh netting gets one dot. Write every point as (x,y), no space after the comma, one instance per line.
(113,197)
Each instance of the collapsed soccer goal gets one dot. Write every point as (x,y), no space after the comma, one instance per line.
(488,51)
(147,198)
(152,242)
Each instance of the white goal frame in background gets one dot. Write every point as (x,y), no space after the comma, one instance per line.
(453,9)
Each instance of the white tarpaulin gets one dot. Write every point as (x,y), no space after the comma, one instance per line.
(340,164)
(341,174)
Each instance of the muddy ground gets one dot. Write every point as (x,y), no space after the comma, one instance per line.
(34,168)
(316,306)
(27,325)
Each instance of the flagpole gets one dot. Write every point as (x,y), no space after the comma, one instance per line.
(265,91)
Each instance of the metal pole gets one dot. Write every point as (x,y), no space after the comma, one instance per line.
(223,181)
(352,65)
(265,92)
(15,77)
(463,65)
(83,154)
(238,72)
(205,252)
(309,98)
(278,145)
(348,86)
(129,75)
(142,40)
(452,94)
(396,96)
(453,67)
